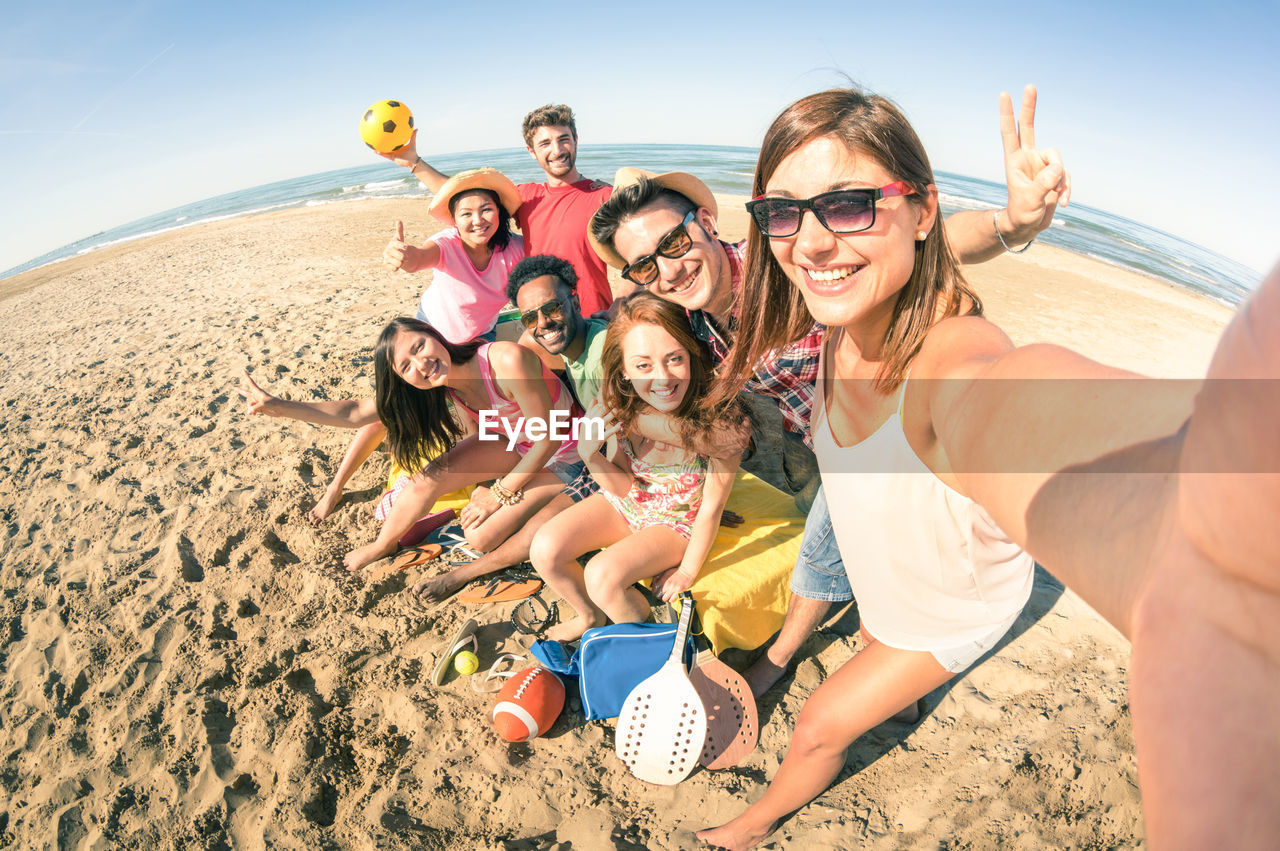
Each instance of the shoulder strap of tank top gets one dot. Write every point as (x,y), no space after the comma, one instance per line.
(902,391)
(486,377)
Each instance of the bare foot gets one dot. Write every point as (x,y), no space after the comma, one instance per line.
(324,507)
(571,630)
(763,675)
(439,587)
(366,555)
(736,835)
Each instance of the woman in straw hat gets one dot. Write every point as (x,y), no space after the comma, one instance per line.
(472,259)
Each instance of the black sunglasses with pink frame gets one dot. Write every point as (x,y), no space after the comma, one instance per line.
(839,211)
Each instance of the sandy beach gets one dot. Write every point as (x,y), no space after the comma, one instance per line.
(185,664)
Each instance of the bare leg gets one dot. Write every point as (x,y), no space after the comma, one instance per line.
(910,713)
(464,464)
(803,618)
(514,550)
(581,528)
(611,575)
(868,689)
(362,445)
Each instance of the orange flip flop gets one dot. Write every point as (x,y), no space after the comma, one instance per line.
(502,589)
(415,556)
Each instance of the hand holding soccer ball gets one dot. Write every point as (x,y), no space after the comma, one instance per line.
(387,128)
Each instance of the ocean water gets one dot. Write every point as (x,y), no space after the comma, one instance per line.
(1083,230)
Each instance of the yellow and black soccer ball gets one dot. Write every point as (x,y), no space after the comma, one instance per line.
(386,126)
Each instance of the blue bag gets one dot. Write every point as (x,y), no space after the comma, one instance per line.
(612,660)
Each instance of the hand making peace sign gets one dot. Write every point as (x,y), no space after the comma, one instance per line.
(1036,178)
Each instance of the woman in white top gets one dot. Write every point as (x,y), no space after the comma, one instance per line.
(944,452)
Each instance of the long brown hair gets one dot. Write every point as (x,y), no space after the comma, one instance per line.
(773,312)
(419,422)
(695,419)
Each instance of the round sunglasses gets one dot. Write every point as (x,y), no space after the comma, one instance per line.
(840,211)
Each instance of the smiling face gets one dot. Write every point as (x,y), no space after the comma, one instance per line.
(475,214)
(656,365)
(847,279)
(554,335)
(697,280)
(419,359)
(556,150)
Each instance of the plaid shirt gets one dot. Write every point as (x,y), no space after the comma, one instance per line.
(787,375)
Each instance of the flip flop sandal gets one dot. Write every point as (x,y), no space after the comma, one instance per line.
(460,555)
(532,624)
(465,636)
(493,680)
(451,534)
(415,556)
(512,584)
(403,561)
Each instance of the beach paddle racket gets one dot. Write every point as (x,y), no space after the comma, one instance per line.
(733,724)
(662,725)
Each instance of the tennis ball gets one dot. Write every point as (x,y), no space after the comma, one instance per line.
(466,663)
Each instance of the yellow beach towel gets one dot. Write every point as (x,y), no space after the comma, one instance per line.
(743,590)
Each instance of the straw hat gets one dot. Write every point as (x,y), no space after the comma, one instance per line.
(475,178)
(677,181)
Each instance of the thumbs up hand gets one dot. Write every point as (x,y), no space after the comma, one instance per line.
(393,254)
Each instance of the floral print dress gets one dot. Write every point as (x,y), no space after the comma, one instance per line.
(662,494)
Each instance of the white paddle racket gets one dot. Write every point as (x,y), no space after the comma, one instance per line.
(663,725)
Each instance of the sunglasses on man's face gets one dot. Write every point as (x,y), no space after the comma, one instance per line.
(673,245)
(841,211)
(552,310)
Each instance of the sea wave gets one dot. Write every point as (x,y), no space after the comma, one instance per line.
(1077,228)
(186,224)
(378,186)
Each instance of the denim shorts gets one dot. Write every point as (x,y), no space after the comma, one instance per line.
(819,571)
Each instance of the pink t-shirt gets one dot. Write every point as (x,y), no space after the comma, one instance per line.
(554,221)
(462,301)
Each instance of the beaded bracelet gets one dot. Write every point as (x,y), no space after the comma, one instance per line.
(504,496)
(995,222)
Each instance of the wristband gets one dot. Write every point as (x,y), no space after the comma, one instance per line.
(414,167)
(995,223)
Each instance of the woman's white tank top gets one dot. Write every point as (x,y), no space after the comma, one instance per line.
(929,568)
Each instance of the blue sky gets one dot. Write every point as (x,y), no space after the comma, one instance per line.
(1165,113)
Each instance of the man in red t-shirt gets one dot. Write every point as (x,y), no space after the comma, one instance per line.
(554,215)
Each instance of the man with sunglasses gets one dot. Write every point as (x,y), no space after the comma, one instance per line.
(553,215)
(544,289)
(661,231)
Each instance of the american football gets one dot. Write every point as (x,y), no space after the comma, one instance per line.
(528,705)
